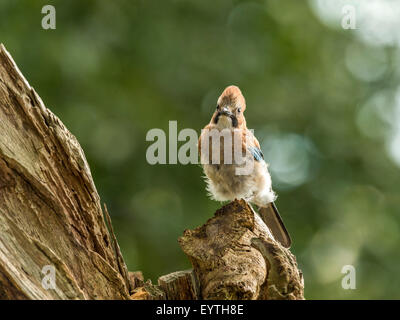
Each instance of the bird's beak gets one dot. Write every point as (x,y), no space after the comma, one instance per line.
(225,111)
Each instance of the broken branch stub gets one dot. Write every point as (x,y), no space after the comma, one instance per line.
(234,257)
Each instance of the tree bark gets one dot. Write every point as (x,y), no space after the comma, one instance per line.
(234,256)
(50,215)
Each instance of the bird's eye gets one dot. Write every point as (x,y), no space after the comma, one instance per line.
(217,106)
(239,109)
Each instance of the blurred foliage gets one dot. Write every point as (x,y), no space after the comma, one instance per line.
(324,103)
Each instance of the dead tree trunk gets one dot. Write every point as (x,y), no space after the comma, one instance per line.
(50,215)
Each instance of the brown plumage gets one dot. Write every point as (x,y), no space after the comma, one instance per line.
(223,180)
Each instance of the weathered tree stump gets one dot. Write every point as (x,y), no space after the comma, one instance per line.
(235,257)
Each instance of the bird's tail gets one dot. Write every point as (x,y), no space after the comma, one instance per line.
(273,220)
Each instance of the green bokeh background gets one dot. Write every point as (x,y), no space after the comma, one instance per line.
(322,100)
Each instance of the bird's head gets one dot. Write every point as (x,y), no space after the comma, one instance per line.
(230,108)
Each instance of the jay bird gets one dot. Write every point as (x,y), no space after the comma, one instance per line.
(224,181)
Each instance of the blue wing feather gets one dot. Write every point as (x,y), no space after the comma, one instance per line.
(257,153)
